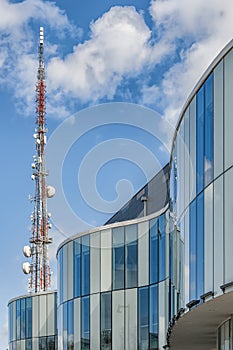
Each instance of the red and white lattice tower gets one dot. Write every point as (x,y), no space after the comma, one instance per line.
(39,268)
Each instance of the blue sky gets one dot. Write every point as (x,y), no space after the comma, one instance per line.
(144,52)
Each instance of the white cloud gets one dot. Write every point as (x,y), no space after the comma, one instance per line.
(202,30)
(118,47)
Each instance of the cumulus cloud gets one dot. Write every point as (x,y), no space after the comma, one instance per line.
(118,46)
(195,34)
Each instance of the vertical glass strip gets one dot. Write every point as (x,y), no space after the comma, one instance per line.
(228,219)
(131,256)
(192,150)
(200,245)
(162,247)
(85,323)
(18,319)
(65,326)
(85,265)
(28,317)
(70,325)
(118,257)
(106,260)
(118,318)
(106,321)
(95,262)
(131,319)
(95,321)
(60,275)
(154,317)
(208,160)
(70,270)
(228,108)
(192,252)
(154,251)
(143,318)
(200,140)
(77,268)
(77,324)
(209,238)
(143,253)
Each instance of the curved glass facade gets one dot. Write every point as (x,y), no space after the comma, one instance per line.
(120,285)
(32,322)
(201,181)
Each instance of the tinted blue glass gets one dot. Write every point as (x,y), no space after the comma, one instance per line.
(161,234)
(143,318)
(77,268)
(28,317)
(131,256)
(28,344)
(11,322)
(154,317)
(200,140)
(51,343)
(208,165)
(171,249)
(60,262)
(85,323)
(70,325)
(118,258)
(18,319)
(106,321)
(192,251)
(85,265)
(42,343)
(65,320)
(154,251)
(200,245)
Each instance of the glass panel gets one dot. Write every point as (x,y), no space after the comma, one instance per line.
(70,325)
(42,315)
(28,345)
(85,265)
(131,256)
(95,262)
(65,272)
(35,316)
(154,318)
(77,325)
(200,140)
(10,322)
(18,319)
(143,318)
(106,260)
(42,343)
(154,251)
(60,275)
(228,108)
(192,251)
(118,257)
(200,245)
(143,253)
(85,323)
(162,247)
(70,270)
(192,145)
(65,326)
(51,343)
(131,319)
(95,321)
(118,312)
(209,239)
(208,160)
(218,119)
(77,268)
(28,317)
(51,313)
(106,321)
(228,195)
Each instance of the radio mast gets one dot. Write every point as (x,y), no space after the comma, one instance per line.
(39,268)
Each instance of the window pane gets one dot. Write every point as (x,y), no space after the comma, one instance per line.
(200,140)
(192,251)
(85,325)
(200,245)
(70,325)
(162,245)
(42,343)
(154,252)
(143,318)
(131,270)
(60,264)
(51,343)
(154,318)
(28,345)
(208,166)
(65,320)
(18,319)
(28,317)
(77,268)
(85,265)
(118,257)
(106,321)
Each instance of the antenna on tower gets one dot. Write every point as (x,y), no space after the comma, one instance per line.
(37,251)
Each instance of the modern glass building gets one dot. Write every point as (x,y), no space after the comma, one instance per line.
(202,200)
(120,285)
(32,322)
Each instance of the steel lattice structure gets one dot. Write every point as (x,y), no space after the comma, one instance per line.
(39,269)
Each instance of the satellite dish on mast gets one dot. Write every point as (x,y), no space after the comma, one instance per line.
(26,268)
(27,251)
(50,191)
